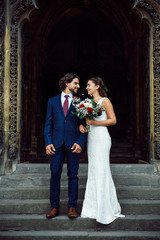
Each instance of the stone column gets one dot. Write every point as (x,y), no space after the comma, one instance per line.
(6,88)
(149,11)
(14,13)
(2,33)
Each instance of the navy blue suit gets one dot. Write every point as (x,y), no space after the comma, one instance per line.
(63,131)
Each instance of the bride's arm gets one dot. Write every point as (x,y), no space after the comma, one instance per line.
(110,114)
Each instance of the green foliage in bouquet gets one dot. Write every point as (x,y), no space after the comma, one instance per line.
(86,108)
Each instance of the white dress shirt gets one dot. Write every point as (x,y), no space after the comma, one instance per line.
(69,98)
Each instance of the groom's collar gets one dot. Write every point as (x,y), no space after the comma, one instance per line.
(70,95)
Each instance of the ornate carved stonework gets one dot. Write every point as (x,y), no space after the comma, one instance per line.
(152,10)
(2,21)
(13,93)
(21,8)
(18,9)
(13,1)
(12,12)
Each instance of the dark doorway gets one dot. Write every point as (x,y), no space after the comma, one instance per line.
(89,48)
(90,43)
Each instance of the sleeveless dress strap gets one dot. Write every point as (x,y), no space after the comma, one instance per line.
(101,100)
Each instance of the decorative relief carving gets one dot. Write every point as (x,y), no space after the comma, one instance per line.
(21,8)
(157,115)
(13,92)
(157,1)
(156,66)
(2,20)
(156,70)
(12,1)
(148,8)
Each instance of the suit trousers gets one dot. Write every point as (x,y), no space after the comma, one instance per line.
(56,166)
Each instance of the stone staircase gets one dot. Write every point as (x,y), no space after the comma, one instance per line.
(24,201)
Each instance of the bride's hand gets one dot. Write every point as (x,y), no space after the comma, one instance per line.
(82,129)
(89,122)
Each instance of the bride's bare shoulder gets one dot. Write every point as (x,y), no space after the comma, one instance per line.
(106,102)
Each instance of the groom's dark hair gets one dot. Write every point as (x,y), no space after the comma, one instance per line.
(67,79)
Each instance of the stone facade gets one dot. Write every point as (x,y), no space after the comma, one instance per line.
(13,14)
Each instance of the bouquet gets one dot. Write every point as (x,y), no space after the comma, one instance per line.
(86,109)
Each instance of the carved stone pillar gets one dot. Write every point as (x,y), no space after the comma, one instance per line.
(149,10)
(2,33)
(16,12)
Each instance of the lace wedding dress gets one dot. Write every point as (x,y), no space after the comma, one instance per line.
(100,201)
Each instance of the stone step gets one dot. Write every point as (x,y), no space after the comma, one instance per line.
(39,222)
(115,168)
(41,206)
(123,192)
(79,235)
(43,179)
(24,201)
(116,158)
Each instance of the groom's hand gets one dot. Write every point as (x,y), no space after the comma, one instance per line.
(50,150)
(76,148)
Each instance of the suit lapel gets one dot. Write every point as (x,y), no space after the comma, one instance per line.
(59,105)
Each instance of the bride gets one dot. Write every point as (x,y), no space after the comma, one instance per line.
(100,201)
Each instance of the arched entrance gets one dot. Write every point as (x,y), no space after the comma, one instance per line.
(90,39)
(23,69)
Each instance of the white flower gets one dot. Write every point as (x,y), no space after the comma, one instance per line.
(87,104)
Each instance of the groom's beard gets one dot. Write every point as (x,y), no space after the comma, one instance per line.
(74,91)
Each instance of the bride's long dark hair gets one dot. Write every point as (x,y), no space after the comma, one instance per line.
(101,89)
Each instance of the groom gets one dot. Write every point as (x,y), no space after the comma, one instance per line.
(62,137)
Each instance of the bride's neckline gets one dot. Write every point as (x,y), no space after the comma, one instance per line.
(98,100)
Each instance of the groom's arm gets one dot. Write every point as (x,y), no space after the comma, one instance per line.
(81,140)
(82,137)
(48,129)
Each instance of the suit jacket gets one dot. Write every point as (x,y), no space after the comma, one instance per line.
(60,129)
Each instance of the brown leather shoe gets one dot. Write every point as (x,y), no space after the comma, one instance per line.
(72,212)
(53,213)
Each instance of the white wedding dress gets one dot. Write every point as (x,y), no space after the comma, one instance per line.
(100,201)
